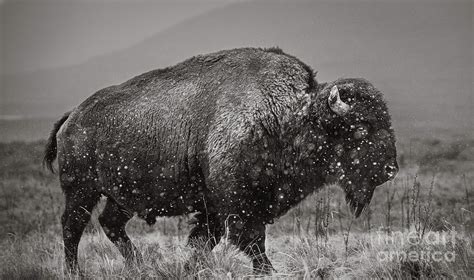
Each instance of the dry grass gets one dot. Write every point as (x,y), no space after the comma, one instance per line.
(40,256)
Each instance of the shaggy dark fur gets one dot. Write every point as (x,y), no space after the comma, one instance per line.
(239,136)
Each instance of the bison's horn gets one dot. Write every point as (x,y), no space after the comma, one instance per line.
(337,105)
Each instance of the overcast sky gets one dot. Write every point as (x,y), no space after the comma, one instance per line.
(38,34)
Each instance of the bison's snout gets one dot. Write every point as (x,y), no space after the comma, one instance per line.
(391,170)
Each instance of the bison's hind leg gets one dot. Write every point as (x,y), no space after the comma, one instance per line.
(113,220)
(77,213)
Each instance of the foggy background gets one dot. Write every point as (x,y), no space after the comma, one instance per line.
(54,54)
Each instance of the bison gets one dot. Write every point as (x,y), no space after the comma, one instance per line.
(237,136)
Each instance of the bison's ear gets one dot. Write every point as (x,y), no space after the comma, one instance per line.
(336,104)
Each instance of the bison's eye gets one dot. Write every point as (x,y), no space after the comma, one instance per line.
(361,131)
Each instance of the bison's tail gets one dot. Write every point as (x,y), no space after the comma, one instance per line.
(51,146)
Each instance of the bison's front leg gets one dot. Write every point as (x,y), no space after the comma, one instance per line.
(205,235)
(249,236)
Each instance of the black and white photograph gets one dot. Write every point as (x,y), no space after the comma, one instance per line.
(236,139)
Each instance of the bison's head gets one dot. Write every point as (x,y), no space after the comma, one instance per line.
(360,141)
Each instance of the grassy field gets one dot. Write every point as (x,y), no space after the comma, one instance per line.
(419,226)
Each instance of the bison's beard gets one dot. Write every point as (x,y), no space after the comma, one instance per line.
(358,202)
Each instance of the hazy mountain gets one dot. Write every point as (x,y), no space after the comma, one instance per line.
(418,54)
(41,34)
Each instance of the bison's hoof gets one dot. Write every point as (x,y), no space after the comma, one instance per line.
(264,269)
